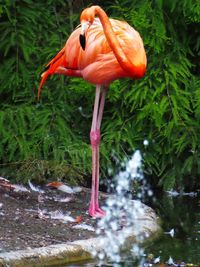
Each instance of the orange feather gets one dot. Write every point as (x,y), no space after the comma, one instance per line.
(94,63)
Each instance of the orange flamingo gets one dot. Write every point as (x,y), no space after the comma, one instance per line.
(100,50)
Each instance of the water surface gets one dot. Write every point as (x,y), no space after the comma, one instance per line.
(180,213)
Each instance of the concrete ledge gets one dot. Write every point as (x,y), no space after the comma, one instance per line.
(55,255)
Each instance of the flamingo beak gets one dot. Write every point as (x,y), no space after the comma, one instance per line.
(82,38)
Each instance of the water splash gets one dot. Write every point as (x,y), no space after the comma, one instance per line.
(122,212)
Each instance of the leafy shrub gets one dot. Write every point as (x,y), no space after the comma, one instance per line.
(163,107)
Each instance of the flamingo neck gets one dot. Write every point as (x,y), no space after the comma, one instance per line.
(124,62)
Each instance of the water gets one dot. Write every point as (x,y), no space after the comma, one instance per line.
(180,214)
(121,212)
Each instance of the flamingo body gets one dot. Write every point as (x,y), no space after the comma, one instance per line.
(96,61)
(107,50)
(94,64)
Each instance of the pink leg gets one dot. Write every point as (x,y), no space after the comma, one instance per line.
(99,119)
(94,209)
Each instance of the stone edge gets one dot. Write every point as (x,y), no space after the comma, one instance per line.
(60,254)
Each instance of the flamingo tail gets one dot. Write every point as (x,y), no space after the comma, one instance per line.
(44,77)
(58,61)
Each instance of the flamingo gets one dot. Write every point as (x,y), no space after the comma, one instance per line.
(100,50)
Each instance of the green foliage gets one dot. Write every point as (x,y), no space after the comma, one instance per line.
(30,131)
(163,107)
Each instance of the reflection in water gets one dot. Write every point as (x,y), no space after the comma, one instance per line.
(181,213)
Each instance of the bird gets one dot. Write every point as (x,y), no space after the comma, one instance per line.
(100,50)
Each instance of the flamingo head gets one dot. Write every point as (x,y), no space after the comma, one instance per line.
(86,19)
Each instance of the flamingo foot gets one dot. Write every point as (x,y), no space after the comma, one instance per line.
(95,211)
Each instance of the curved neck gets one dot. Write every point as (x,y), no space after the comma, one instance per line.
(124,62)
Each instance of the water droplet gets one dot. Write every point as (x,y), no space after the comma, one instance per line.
(121,211)
(145,142)
(170,261)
